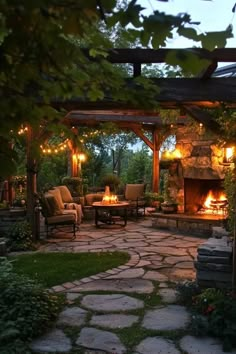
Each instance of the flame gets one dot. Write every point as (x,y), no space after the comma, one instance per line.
(213,196)
(176,154)
(229,153)
(171,155)
(110,199)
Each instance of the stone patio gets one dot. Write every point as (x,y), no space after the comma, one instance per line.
(161,257)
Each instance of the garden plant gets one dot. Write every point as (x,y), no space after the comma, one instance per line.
(213,312)
(26,310)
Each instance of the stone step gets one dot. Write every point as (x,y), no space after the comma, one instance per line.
(213,267)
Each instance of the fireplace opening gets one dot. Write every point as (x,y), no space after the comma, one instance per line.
(204,196)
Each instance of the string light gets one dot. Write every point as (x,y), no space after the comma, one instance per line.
(22,130)
(54,149)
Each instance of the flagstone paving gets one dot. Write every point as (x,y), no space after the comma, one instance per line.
(156,258)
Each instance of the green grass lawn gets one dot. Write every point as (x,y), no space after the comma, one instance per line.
(57,268)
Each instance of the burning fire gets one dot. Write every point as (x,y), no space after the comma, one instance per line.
(110,199)
(215,199)
(229,154)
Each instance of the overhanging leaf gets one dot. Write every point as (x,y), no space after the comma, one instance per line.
(189,62)
(212,40)
(189,33)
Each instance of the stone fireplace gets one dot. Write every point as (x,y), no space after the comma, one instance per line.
(199,170)
(196,192)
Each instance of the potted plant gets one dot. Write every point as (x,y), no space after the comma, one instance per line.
(153,199)
(169,205)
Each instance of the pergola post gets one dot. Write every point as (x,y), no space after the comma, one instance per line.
(74,162)
(155,162)
(31,184)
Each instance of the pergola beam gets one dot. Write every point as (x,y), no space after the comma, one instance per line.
(142,56)
(195,89)
(173,92)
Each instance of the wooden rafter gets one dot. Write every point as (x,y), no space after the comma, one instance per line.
(206,74)
(143,137)
(203,117)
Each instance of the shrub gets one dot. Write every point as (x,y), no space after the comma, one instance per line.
(20,237)
(186,292)
(74,184)
(214,313)
(230,188)
(26,310)
(219,309)
(153,196)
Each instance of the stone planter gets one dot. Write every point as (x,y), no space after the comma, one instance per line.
(169,208)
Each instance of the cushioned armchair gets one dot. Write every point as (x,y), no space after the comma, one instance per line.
(59,208)
(134,194)
(55,216)
(66,202)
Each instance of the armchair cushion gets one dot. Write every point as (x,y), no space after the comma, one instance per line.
(134,191)
(134,194)
(61,219)
(65,194)
(93,197)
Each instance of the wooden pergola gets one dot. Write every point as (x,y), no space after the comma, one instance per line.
(192,96)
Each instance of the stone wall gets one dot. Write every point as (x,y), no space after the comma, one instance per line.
(201,157)
(214,263)
(9,218)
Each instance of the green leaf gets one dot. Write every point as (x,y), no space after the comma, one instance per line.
(212,40)
(144,37)
(189,33)
(97,52)
(189,62)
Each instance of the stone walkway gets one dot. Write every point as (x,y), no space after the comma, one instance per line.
(105,307)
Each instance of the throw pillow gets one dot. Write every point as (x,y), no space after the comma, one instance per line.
(54,208)
(57,195)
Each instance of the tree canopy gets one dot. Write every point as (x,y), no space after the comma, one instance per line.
(42,57)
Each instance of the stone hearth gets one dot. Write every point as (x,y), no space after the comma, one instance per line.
(199,225)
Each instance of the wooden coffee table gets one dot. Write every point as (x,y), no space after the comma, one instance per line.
(110,214)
